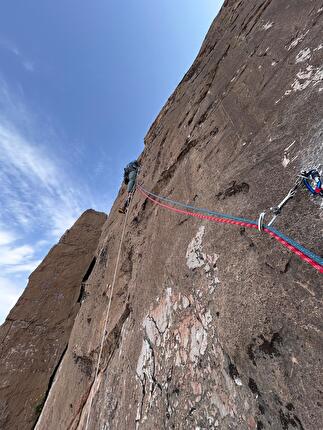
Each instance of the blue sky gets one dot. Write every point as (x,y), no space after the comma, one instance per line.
(80,84)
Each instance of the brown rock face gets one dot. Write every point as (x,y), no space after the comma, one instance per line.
(212,326)
(35,335)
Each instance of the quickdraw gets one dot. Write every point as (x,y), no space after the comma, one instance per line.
(204,214)
(313,183)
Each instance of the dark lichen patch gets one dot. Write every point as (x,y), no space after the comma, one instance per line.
(233,371)
(176,391)
(271,347)
(251,354)
(233,189)
(277,399)
(290,406)
(298,422)
(253,386)
(260,425)
(263,348)
(84,363)
(288,419)
(214,132)
(261,408)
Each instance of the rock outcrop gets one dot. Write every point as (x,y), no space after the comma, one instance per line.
(35,335)
(213,326)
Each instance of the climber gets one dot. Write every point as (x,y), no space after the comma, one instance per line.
(129,177)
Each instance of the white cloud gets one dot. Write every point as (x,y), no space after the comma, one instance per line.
(18,154)
(24,268)
(6,237)
(15,255)
(17,259)
(33,185)
(9,294)
(39,198)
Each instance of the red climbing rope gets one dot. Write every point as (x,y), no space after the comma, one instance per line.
(295,250)
(292,248)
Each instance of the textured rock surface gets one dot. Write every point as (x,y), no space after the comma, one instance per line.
(212,326)
(35,335)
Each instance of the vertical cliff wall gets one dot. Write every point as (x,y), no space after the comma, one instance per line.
(213,326)
(35,335)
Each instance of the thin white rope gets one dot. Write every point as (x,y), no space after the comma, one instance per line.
(107,315)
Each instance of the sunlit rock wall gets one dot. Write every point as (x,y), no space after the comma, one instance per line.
(211,325)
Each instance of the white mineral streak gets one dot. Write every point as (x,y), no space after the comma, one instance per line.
(268,25)
(319,47)
(171,331)
(162,314)
(297,41)
(206,319)
(194,256)
(286,160)
(151,330)
(290,146)
(185,302)
(309,76)
(198,342)
(238,381)
(144,360)
(303,55)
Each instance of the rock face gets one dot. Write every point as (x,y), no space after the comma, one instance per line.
(212,326)
(35,335)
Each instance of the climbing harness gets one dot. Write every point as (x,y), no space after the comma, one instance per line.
(313,183)
(107,314)
(304,253)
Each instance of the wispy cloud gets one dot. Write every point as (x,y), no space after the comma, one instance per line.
(38,196)
(12,256)
(26,63)
(29,66)
(23,268)
(36,188)
(32,185)
(9,46)
(6,237)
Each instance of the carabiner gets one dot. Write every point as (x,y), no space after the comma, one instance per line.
(312,181)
